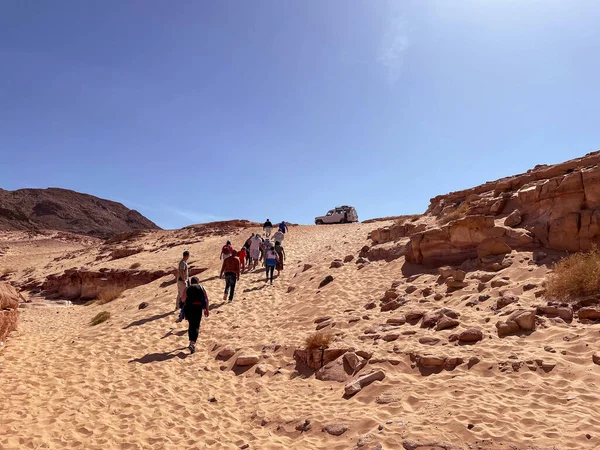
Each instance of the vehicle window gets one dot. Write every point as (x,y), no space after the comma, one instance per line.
(329,213)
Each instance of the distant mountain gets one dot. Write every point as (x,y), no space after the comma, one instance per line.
(65,210)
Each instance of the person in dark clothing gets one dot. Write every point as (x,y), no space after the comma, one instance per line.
(267,227)
(196,301)
(231,269)
(271,258)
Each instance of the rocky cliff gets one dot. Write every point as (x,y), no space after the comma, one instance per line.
(65,210)
(553,207)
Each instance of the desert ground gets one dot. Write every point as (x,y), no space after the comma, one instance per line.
(130,382)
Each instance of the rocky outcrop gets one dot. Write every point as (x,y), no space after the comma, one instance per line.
(9,304)
(65,210)
(79,284)
(555,207)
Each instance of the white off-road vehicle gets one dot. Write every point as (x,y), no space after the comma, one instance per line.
(340,214)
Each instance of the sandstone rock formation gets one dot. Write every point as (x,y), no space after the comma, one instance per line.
(76,284)
(65,210)
(555,207)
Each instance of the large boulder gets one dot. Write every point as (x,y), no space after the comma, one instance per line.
(518,321)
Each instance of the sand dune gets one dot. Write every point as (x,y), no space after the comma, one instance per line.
(130,383)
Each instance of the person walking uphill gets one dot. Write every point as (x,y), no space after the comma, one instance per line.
(281,254)
(196,301)
(271,258)
(226,251)
(182,279)
(231,269)
(267,228)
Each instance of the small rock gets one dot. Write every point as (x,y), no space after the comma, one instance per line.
(306,267)
(596,358)
(396,320)
(410,289)
(390,337)
(459,275)
(348,258)
(446,322)
(322,319)
(291,289)
(445,271)
(226,353)
(328,279)
(370,305)
(513,219)
(305,426)
(261,369)
(143,305)
(335,265)
(549,349)
(335,429)
(247,360)
(380,427)
(470,426)
(212,400)
(529,286)
(244,446)
(470,335)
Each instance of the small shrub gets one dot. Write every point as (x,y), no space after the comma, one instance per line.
(458,213)
(109,294)
(319,340)
(100,317)
(575,276)
(135,266)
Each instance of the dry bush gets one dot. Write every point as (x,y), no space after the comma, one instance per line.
(458,213)
(100,317)
(135,266)
(575,276)
(110,293)
(319,340)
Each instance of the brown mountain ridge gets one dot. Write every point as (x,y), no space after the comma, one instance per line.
(66,210)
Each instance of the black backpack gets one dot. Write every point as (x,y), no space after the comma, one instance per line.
(195,296)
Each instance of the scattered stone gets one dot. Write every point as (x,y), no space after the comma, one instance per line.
(520,320)
(335,429)
(596,358)
(306,267)
(400,320)
(438,297)
(445,271)
(390,337)
(390,295)
(261,369)
(212,399)
(589,313)
(352,360)
(446,322)
(336,264)
(455,284)
(410,289)
(291,289)
(371,305)
(348,258)
(472,361)
(363,381)
(506,300)
(483,297)
(328,279)
(470,335)
(470,426)
(499,283)
(322,319)
(380,427)
(428,340)
(305,426)
(427,292)
(226,353)
(459,275)
(244,446)
(143,305)
(247,360)
(413,316)
(362,261)
(529,286)
(549,349)
(513,219)
(430,319)
(385,399)
(391,306)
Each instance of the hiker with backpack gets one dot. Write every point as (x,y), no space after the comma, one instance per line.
(271,258)
(283,227)
(182,283)
(226,251)
(196,302)
(267,228)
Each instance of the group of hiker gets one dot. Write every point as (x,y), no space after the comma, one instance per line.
(192,299)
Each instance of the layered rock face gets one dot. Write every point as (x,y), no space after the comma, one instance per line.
(9,303)
(555,207)
(65,210)
(87,284)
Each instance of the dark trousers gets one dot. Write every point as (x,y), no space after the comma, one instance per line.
(230,280)
(270,269)
(194,317)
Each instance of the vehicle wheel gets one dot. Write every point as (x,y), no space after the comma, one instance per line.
(319,222)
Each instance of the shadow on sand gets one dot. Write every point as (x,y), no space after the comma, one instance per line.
(159,357)
(137,323)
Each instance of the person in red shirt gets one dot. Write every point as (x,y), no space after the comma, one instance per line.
(226,251)
(242,256)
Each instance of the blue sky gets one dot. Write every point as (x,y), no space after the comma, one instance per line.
(192,111)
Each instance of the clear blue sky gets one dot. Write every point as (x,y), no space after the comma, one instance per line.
(191,111)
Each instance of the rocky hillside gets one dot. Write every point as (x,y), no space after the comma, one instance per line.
(554,207)
(65,210)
